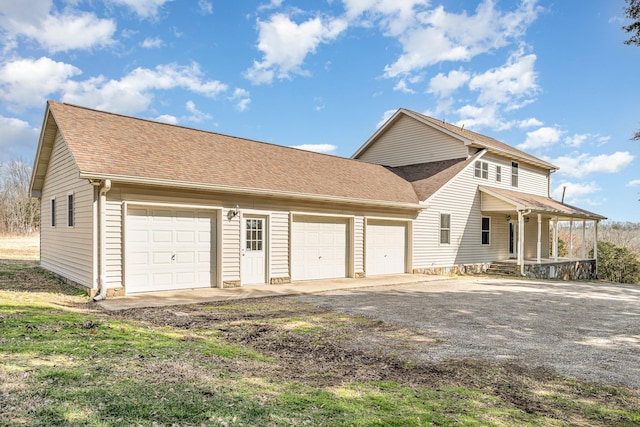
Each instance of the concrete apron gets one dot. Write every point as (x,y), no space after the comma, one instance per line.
(198,296)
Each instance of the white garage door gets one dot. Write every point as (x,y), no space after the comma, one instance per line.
(385,247)
(318,248)
(168,249)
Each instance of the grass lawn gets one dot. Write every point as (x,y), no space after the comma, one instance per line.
(270,362)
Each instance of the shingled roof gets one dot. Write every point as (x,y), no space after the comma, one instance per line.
(126,149)
(427,178)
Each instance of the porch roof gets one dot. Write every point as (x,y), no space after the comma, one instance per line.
(537,204)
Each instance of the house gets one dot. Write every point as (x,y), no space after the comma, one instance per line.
(131,205)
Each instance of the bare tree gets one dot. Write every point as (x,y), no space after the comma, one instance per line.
(19,213)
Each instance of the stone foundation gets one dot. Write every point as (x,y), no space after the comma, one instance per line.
(563,270)
(454,270)
(231,284)
(280,280)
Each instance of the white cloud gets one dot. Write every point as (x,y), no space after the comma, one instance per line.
(285,45)
(473,117)
(443,85)
(441,36)
(28,82)
(580,165)
(19,139)
(634,183)
(133,93)
(197,116)
(318,148)
(152,42)
(575,191)
(205,6)
(402,87)
(242,98)
(396,15)
(541,138)
(507,84)
(529,123)
(167,118)
(143,8)
(54,31)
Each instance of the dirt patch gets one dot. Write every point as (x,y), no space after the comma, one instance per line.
(327,349)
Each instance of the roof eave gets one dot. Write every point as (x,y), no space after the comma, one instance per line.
(36,189)
(123,179)
(512,155)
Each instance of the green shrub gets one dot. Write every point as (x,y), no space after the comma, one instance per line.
(617,264)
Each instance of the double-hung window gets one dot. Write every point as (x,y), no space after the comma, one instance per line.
(514,174)
(481,170)
(445,228)
(498,173)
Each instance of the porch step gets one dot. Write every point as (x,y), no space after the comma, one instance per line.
(503,269)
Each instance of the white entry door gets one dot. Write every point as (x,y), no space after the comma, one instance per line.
(385,247)
(513,239)
(318,248)
(253,253)
(168,249)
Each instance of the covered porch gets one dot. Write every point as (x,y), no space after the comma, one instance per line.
(532,235)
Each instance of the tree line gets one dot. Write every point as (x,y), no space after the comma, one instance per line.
(19,213)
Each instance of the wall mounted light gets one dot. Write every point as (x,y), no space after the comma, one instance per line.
(233,212)
(508,218)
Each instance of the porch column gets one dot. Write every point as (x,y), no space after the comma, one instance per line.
(539,246)
(521,242)
(584,240)
(571,239)
(555,240)
(595,246)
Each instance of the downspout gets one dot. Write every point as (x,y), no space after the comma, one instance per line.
(102,232)
(521,215)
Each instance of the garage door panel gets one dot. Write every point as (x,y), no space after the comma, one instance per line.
(385,247)
(168,249)
(319,249)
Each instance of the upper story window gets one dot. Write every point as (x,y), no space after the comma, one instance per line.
(514,174)
(70,210)
(498,173)
(445,228)
(53,212)
(482,170)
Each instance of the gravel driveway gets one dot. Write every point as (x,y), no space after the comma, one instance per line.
(586,330)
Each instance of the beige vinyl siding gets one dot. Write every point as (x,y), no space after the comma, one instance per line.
(409,142)
(461,199)
(531,179)
(114,243)
(358,243)
(279,212)
(67,251)
(279,244)
(531,238)
(231,242)
(493,204)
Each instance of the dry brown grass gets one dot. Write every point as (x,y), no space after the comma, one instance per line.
(20,247)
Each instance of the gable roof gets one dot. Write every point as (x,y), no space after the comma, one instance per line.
(466,136)
(524,201)
(427,178)
(126,149)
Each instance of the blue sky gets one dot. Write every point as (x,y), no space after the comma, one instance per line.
(550,77)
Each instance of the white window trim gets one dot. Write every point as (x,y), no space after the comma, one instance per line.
(515,175)
(71,218)
(440,229)
(53,214)
(498,173)
(482,231)
(481,169)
